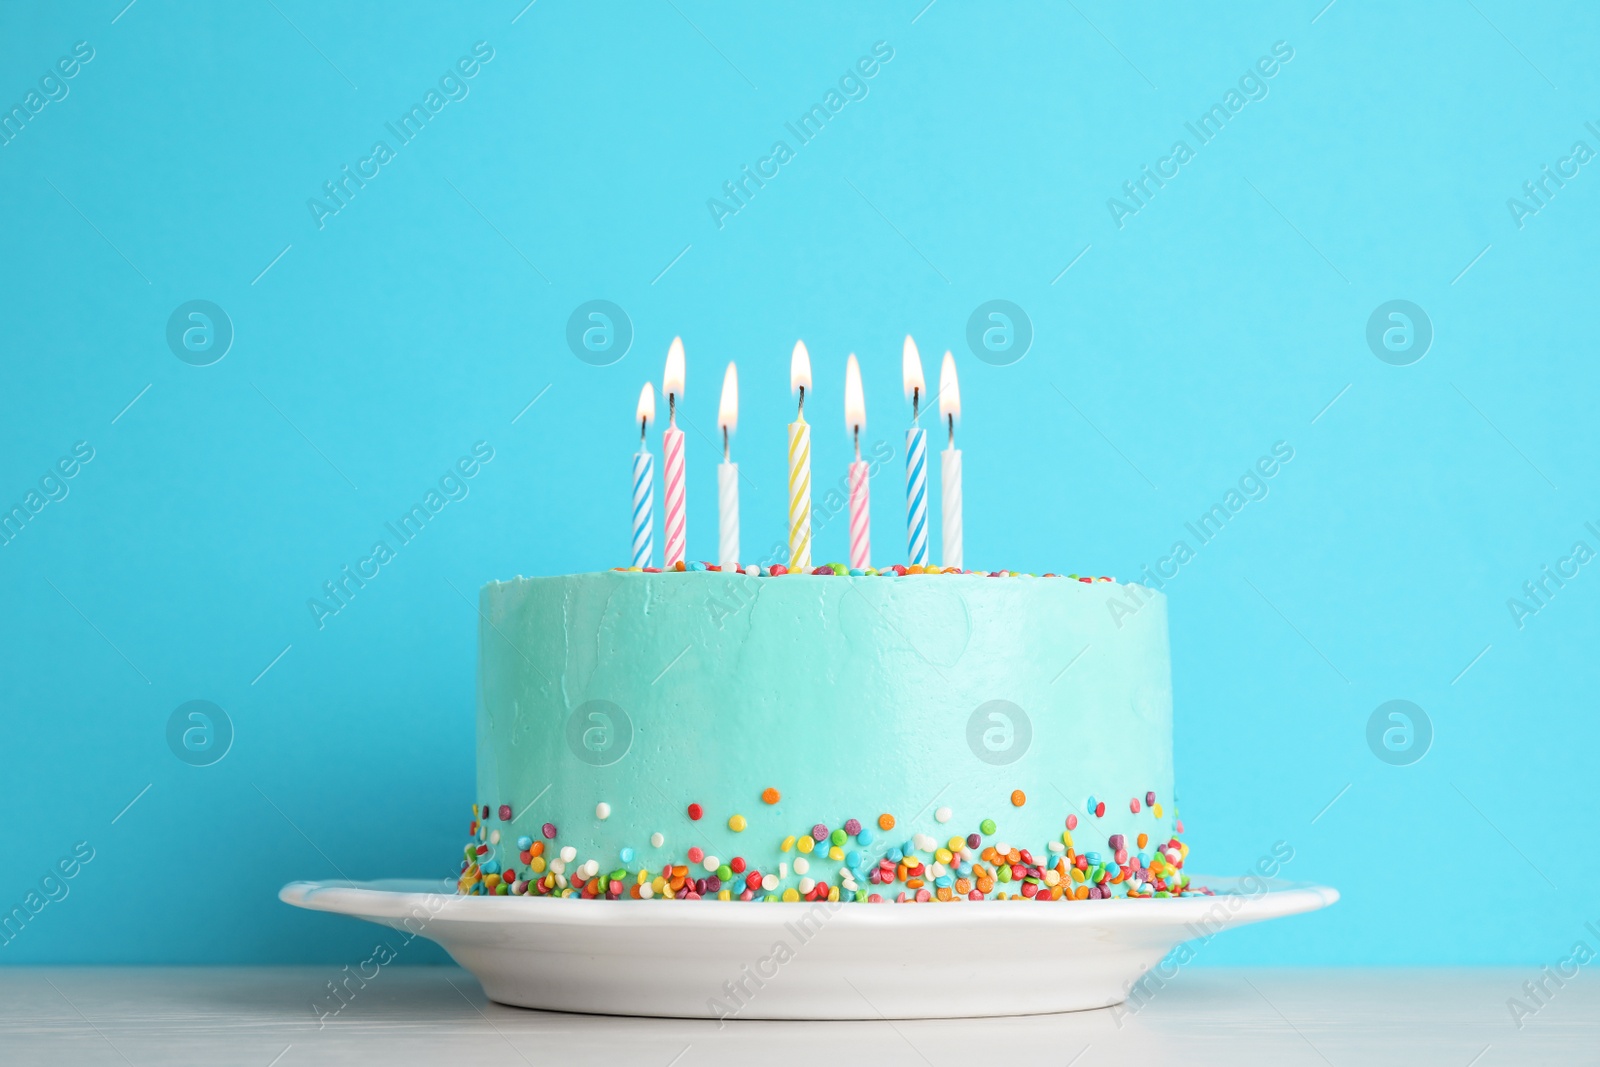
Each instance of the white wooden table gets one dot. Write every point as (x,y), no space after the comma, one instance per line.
(264,1017)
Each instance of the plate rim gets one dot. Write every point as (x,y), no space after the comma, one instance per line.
(380,900)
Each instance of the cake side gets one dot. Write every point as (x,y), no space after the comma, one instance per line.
(927,736)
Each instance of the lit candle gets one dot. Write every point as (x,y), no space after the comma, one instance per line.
(916,459)
(950,464)
(855,419)
(728,475)
(644,478)
(800,465)
(672,451)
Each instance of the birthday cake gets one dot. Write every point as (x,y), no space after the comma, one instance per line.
(912,735)
(780,732)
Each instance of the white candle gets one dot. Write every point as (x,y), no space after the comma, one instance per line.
(950,465)
(728,475)
(673,468)
(644,476)
(855,419)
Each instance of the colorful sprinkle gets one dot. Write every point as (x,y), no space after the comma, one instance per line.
(602,811)
(922,868)
(695,812)
(1018,798)
(505,813)
(770,795)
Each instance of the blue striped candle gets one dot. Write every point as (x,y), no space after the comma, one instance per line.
(644,503)
(917,496)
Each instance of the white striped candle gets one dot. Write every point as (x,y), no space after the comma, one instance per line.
(950,465)
(728,515)
(950,506)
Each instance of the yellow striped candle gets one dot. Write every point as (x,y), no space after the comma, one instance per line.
(800,465)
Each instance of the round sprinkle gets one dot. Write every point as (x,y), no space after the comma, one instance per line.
(1100,810)
(711,864)
(548,829)
(819,832)
(505,813)
(524,843)
(626,855)
(973,840)
(770,795)
(852,826)
(1018,798)
(736,865)
(657,840)
(1150,799)
(569,854)
(737,824)
(602,810)
(1072,822)
(696,854)
(838,837)
(886,821)
(943,814)
(695,812)
(1133,805)
(988,827)
(801,865)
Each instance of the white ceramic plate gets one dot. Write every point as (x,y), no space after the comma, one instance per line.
(806,961)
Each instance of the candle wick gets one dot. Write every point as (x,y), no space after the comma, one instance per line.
(916,395)
(857,435)
(726,458)
(952,418)
(672,409)
(802,413)
(642,424)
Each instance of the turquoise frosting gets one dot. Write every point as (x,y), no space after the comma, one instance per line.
(851,696)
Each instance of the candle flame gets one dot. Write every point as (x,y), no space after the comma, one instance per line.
(855,404)
(949,389)
(728,410)
(911,368)
(800,368)
(672,380)
(647,405)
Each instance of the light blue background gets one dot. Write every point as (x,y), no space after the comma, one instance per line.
(1223,317)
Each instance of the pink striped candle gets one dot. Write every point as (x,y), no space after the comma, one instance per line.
(672,447)
(860,523)
(855,418)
